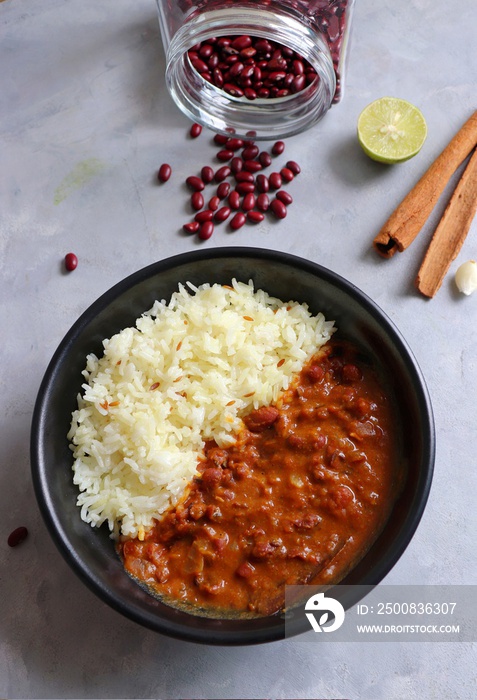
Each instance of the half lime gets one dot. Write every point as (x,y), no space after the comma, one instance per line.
(391,130)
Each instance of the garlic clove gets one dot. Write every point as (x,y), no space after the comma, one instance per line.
(466,277)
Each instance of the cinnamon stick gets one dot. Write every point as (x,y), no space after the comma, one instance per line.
(450,233)
(404,224)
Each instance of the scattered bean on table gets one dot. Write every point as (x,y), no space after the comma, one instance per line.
(71,262)
(195,130)
(240,183)
(17,536)
(164,172)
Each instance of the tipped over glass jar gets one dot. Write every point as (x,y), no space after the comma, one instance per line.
(264,69)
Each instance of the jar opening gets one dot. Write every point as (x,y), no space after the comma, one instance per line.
(223,108)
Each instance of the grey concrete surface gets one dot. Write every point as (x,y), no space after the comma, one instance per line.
(85,121)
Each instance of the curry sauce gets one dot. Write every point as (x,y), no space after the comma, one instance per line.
(298,499)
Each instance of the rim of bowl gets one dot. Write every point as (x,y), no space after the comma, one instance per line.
(256,633)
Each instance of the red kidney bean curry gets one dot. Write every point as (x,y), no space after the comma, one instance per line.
(298,499)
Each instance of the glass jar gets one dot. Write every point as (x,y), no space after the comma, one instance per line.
(294,49)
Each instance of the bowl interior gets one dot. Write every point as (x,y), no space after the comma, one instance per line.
(91,552)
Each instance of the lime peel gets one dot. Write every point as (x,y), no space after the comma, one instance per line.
(391,130)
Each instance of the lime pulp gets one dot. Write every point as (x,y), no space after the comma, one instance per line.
(391,130)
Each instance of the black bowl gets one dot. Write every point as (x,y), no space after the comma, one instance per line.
(91,552)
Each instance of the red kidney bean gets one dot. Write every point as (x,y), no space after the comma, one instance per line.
(71,262)
(263,45)
(250,93)
(207,174)
(222,173)
(278,148)
(284,197)
(164,172)
(221,139)
(18,536)
(246,83)
(214,203)
(276,76)
(248,52)
(195,183)
(275,181)
(310,77)
(253,166)
(205,215)
(199,65)
(206,230)
(257,75)
(237,221)
(244,176)
(248,202)
(250,152)
(222,214)
(334,27)
(278,208)
(206,50)
(191,227)
(294,167)
(223,189)
(234,200)
(242,42)
(298,67)
(245,187)
(299,82)
(277,64)
(236,164)
(286,174)
(262,183)
(196,129)
(197,201)
(213,61)
(234,144)
(263,202)
(233,90)
(247,72)
(265,159)
(255,217)
(236,69)
(225,155)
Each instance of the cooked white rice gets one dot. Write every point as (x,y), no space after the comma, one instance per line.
(186,373)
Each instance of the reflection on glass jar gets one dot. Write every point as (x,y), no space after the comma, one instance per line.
(262,68)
